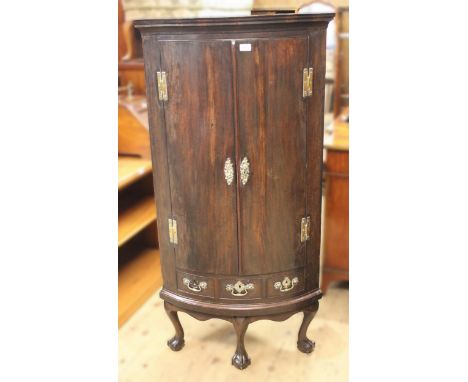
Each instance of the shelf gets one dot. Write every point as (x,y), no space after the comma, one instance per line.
(136,217)
(134,64)
(138,280)
(132,169)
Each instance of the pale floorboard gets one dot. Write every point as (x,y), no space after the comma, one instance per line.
(209,345)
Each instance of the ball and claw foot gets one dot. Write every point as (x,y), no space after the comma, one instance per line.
(176,343)
(241,361)
(306,345)
(303,343)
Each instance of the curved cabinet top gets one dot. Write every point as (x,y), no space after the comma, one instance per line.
(233,23)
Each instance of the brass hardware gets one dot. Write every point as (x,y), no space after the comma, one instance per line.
(244,171)
(239,289)
(307,77)
(162,86)
(172,231)
(228,171)
(286,285)
(305,228)
(194,285)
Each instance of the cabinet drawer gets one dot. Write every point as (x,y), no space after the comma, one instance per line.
(193,284)
(285,283)
(240,288)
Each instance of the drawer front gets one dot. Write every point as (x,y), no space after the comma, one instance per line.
(196,285)
(286,283)
(240,289)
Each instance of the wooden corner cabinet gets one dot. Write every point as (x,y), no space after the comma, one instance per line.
(235,109)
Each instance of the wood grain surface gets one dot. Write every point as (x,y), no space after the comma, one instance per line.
(133,130)
(136,217)
(315,118)
(272,130)
(227,103)
(132,169)
(138,280)
(336,222)
(200,138)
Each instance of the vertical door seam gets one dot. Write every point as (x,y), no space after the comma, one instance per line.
(306,172)
(237,154)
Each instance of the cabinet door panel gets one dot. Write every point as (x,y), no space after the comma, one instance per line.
(199,121)
(272,135)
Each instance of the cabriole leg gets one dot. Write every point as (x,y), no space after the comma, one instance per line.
(240,359)
(177,342)
(303,343)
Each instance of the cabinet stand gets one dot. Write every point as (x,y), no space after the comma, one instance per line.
(240,358)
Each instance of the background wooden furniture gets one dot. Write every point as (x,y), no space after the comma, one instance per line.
(336,220)
(341,100)
(236,117)
(121,19)
(133,127)
(131,71)
(139,267)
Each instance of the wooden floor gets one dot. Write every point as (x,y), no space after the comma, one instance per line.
(209,346)
(138,280)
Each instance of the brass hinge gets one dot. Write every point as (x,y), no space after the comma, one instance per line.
(305,229)
(307,77)
(172,231)
(162,86)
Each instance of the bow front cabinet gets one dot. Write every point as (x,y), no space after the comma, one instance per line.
(236,125)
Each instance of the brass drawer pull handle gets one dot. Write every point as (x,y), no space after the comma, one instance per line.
(228,171)
(286,285)
(244,171)
(239,288)
(194,285)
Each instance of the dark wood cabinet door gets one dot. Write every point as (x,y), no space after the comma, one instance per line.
(272,136)
(199,122)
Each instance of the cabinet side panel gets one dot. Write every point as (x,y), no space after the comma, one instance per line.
(272,131)
(200,135)
(315,154)
(151,51)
